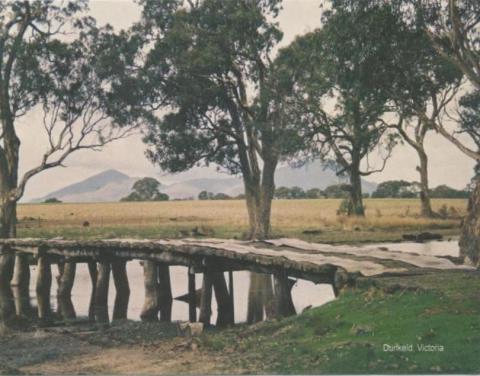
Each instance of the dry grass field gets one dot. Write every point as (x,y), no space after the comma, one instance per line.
(385,219)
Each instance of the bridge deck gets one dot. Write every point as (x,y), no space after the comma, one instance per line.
(312,261)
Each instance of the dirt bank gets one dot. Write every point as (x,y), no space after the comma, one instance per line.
(124,348)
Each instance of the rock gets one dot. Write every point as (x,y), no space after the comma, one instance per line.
(189,329)
(312,232)
(422,237)
(307,308)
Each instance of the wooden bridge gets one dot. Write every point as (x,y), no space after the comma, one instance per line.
(282,258)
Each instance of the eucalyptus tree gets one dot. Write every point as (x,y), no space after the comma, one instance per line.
(50,65)
(454,30)
(213,63)
(338,78)
(425,85)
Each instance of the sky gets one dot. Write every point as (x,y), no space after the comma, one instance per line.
(447,164)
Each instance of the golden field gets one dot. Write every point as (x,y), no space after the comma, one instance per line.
(385,219)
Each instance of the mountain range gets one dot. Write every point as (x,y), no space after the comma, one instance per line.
(112,185)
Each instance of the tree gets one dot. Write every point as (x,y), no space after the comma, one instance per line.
(212,61)
(146,189)
(341,80)
(205,195)
(453,27)
(423,89)
(282,193)
(394,189)
(40,68)
(313,193)
(444,191)
(337,191)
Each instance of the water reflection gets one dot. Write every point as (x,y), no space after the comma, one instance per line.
(304,293)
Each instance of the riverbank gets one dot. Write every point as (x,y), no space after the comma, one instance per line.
(376,327)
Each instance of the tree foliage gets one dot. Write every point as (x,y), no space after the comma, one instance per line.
(146,189)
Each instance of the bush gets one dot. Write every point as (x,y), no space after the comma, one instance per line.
(52,200)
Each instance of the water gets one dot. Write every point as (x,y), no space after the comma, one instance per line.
(433,248)
(304,293)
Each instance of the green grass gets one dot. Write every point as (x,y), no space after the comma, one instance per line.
(348,334)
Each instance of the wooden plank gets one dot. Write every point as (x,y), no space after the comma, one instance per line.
(366,268)
(421,261)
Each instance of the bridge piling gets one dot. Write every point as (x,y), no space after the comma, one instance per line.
(101,296)
(150,306)
(43,286)
(93,272)
(120,279)
(192,296)
(165,298)
(206,299)
(283,298)
(64,293)
(222,295)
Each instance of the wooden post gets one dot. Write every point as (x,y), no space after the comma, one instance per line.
(268,298)
(7,303)
(64,293)
(101,296)
(150,306)
(92,270)
(192,298)
(206,299)
(165,298)
(120,278)
(232,295)
(283,298)
(44,284)
(255,306)
(225,312)
(21,286)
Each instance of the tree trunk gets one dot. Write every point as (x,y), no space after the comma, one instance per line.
(424,186)
(355,206)
(470,237)
(120,279)
(64,294)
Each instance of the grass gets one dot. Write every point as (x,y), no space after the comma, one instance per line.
(348,335)
(386,219)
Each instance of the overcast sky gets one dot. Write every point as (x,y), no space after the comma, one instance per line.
(447,165)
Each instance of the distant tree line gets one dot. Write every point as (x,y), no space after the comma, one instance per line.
(387,189)
(405,189)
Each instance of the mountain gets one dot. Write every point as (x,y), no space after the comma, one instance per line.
(112,185)
(109,185)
